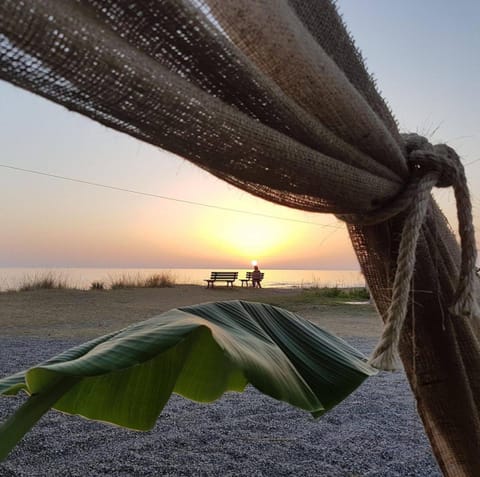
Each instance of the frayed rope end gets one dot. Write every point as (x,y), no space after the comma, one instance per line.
(466,307)
(387,360)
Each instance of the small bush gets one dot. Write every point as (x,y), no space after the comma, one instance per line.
(343,293)
(157,280)
(330,292)
(359,293)
(334,294)
(322,296)
(97,286)
(44,281)
(123,281)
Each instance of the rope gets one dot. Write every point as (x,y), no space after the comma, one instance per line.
(385,354)
(431,166)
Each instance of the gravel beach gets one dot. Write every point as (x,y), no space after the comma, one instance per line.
(375,432)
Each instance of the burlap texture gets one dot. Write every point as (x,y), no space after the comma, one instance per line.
(273,97)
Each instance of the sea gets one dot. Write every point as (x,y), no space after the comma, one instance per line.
(12,278)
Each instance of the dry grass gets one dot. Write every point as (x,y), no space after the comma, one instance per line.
(156,280)
(44,281)
(97,285)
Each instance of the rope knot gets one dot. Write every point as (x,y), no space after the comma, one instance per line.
(430,166)
(423,158)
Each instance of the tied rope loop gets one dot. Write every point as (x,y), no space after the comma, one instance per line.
(445,162)
(430,166)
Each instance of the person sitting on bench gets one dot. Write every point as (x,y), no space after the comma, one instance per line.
(256,277)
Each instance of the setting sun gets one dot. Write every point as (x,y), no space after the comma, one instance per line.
(244,237)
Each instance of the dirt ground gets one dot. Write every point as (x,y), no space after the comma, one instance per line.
(87,314)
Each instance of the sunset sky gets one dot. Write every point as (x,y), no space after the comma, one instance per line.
(425,58)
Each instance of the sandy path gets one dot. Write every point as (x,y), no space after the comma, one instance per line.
(86,314)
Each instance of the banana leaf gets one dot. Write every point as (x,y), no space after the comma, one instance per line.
(199,352)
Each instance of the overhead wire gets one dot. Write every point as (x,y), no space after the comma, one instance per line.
(164,197)
(175,199)
(471,162)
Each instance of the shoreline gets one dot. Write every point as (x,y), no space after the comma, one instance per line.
(82,278)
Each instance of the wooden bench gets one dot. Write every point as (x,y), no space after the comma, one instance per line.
(228,277)
(248,278)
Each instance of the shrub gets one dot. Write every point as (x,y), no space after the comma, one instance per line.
(333,295)
(97,286)
(157,280)
(123,281)
(359,293)
(330,292)
(43,281)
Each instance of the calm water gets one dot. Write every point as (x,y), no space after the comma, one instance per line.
(10,278)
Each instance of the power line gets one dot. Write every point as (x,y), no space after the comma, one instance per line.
(332,232)
(471,162)
(164,197)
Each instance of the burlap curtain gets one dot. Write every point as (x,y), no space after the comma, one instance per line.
(273,97)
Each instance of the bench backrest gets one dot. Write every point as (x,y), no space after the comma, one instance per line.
(224,275)
(249,275)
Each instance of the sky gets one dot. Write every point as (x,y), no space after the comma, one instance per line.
(425,58)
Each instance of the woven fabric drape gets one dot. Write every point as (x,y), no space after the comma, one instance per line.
(273,97)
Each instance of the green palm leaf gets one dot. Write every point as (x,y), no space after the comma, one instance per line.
(200,352)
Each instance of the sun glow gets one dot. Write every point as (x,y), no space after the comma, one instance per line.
(244,237)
